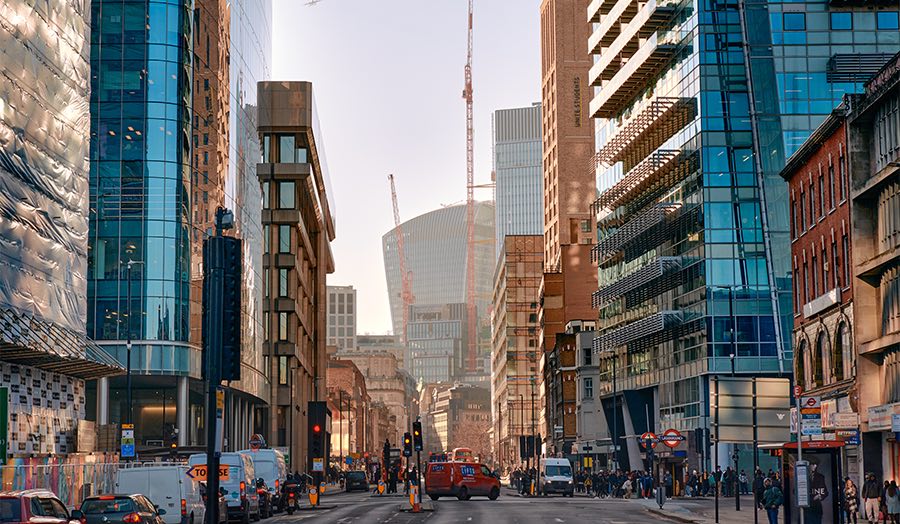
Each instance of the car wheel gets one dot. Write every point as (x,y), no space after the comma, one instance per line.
(463,494)
(495,492)
(434,497)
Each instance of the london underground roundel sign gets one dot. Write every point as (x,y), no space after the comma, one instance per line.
(671,438)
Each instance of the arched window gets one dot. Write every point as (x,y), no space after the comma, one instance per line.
(800,365)
(819,357)
(837,356)
(805,365)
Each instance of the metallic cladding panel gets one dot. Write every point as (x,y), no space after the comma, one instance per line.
(44,132)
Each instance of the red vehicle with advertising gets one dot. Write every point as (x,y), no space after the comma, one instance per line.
(462,480)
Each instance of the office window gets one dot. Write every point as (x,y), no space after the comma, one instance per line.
(286,195)
(806,295)
(812,205)
(821,195)
(286,149)
(824,260)
(842,179)
(794,224)
(586,358)
(588,388)
(282,282)
(282,326)
(794,21)
(267,149)
(282,370)
(802,212)
(831,182)
(888,20)
(284,238)
(836,262)
(815,276)
(846,256)
(585,226)
(841,21)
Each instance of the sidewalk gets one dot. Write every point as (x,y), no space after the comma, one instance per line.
(702,510)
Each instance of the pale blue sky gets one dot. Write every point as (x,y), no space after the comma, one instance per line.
(388,80)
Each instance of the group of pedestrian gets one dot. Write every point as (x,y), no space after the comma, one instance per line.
(522,478)
(727,483)
(880,502)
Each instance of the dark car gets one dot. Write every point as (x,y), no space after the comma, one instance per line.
(21,507)
(356,480)
(116,509)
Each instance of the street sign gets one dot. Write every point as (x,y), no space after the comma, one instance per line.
(257,441)
(649,436)
(318,464)
(395,453)
(127,450)
(348,461)
(672,438)
(798,391)
(801,473)
(810,416)
(199,472)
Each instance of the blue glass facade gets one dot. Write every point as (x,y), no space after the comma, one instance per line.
(693,219)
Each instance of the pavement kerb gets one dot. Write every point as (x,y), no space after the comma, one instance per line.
(670,516)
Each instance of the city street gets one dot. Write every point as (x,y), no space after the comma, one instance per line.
(509,508)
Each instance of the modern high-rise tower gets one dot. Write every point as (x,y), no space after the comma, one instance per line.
(698,104)
(173,136)
(517,172)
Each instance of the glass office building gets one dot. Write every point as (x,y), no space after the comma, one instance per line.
(173,130)
(519,191)
(693,240)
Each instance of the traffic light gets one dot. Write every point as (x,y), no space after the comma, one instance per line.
(529,446)
(417,436)
(407,445)
(386,451)
(172,442)
(523,448)
(222,306)
(698,440)
(317,413)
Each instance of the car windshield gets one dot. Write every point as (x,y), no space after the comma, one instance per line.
(356,475)
(559,471)
(10,510)
(116,505)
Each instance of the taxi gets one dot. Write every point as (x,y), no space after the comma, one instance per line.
(462,480)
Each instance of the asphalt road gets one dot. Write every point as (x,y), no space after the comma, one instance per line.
(362,508)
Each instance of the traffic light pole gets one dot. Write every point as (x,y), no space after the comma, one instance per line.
(213,267)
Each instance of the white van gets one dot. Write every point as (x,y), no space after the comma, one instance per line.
(269,465)
(240,488)
(168,487)
(556,477)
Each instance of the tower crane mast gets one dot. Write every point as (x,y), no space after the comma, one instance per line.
(470,206)
(406,294)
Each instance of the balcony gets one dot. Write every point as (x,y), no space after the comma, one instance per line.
(645,327)
(623,28)
(632,78)
(649,128)
(610,26)
(641,277)
(641,223)
(653,171)
(597,8)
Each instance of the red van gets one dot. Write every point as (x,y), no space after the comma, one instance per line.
(33,506)
(462,480)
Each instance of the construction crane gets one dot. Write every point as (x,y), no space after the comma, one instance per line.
(470,206)
(406,294)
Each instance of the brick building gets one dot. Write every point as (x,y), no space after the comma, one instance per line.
(349,403)
(824,357)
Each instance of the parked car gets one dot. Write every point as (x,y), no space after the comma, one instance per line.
(269,465)
(356,480)
(33,505)
(167,486)
(240,487)
(460,479)
(129,509)
(556,477)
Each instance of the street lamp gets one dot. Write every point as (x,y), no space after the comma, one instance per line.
(130,411)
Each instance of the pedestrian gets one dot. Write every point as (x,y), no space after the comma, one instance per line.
(772,499)
(627,487)
(892,502)
(669,483)
(758,487)
(851,501)
(745,485)
(883,506)
(871,493)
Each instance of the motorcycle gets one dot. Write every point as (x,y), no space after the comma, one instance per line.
(292,503)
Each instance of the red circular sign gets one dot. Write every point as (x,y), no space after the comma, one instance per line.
(798,391)
(649,436)
(671,438)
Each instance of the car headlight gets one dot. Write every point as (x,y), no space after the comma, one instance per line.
(570,481)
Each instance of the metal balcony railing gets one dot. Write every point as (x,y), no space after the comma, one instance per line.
(636,279)
(648,129)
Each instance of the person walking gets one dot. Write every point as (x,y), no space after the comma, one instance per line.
(871,493)
(851,501)
(744,483)
(772,499)
(892,502)
(627,487)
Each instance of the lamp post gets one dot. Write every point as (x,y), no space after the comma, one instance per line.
(130,411)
